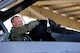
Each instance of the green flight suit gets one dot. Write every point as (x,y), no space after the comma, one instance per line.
(17,34)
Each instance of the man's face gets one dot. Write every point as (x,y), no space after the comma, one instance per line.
(17,22)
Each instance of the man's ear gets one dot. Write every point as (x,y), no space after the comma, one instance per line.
(13,23)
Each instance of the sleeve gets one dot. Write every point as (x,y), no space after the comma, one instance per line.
(32,25)
(26,27)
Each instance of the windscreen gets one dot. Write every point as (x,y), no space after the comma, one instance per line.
(4,3)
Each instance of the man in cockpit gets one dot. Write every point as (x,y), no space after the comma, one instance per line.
(18,30)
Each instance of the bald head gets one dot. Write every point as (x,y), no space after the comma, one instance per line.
(16,22)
